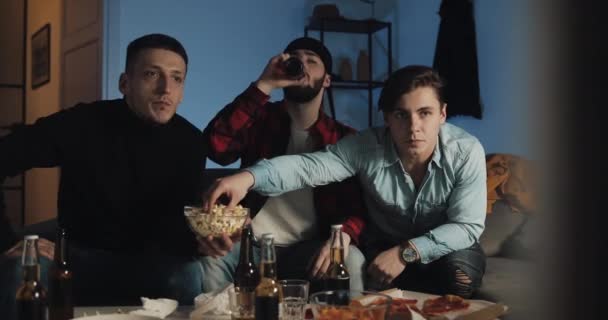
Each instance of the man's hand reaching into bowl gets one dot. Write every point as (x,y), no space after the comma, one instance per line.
(235,187)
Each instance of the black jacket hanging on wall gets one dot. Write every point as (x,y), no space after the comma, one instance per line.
(456,58)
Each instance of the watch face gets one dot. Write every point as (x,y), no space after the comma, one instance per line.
(409,255)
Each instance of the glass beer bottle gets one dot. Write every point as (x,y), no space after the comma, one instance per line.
(31,295)
(61,303)
(337,276)
(294,68)
(267,291)
(247,276)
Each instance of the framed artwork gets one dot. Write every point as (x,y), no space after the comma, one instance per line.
(41,56)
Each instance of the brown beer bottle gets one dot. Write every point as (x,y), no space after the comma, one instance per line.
(267,291)
(31,295)
(61,303)
(247,275)
(337,277)
(294,68)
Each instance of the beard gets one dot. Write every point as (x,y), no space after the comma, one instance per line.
(303,94)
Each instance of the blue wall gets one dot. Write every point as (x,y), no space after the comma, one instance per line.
(229,42)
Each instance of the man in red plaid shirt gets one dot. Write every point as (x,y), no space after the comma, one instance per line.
(253,128)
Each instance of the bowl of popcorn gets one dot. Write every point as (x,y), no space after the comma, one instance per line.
(219,221)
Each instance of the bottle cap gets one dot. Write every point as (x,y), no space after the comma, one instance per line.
(31,237)
(267,236)
(336,226)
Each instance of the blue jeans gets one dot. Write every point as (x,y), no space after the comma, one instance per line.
(108,278)
(440,276)
(292,263)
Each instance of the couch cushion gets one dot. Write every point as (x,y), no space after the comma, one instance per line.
(507,281)
(501,224)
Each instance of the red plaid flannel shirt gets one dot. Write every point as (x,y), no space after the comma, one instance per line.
(252,128)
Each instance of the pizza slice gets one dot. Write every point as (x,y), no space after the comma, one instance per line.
(443,304)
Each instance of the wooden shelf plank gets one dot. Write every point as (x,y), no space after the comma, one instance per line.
(347,25)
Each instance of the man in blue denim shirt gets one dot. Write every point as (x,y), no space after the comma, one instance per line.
(424,183)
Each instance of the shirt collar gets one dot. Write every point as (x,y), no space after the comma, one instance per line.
(437,153)
(390,153)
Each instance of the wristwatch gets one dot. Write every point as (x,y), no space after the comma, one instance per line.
(409,255)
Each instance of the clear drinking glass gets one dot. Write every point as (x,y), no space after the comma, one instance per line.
(350,304)
(294,296)
(242,304)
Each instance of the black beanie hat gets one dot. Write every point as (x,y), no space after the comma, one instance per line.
(313,45)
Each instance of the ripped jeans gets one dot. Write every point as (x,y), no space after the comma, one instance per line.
(459,273)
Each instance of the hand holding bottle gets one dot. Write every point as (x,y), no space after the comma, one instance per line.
(275,75)
(46,249)
(318,265)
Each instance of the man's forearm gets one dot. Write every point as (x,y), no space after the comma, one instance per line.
(442,240)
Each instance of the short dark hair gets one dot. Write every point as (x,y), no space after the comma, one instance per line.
(153,41)
(406,80)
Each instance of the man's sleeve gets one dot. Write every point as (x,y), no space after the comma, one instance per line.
(351,205)
(26,147)
(465,213)
(7,234)
(40,145)
(287,173)
(227,131)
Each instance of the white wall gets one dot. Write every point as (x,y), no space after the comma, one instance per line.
(11,93)
(42,184)
(229,42)
(501,53)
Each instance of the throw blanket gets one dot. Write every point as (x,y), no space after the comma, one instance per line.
(510,178)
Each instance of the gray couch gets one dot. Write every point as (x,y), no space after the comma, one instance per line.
(508,244)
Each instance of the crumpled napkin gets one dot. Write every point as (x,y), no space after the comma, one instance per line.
(159,308)
(211,303)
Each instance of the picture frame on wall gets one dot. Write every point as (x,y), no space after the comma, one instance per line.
(41,56)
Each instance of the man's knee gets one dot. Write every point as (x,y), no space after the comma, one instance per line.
(462,280)
(463,271)
(217,273)
(186,282)
(461,284)
(355,263)
(355,260)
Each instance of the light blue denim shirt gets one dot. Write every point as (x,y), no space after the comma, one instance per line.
(446,214)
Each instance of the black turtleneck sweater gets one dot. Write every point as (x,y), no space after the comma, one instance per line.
(123,182)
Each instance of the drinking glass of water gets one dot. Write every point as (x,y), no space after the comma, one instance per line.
(294,296)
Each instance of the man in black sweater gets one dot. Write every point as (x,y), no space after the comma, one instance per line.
(128,167)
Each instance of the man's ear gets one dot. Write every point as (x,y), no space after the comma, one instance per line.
(444,112)
(123,83)
(327,80)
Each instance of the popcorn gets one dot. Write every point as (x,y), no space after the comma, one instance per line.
(218,222)
(222,210)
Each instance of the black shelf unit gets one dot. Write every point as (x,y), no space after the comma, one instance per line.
(367,27)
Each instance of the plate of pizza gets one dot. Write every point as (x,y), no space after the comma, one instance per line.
(417,305)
